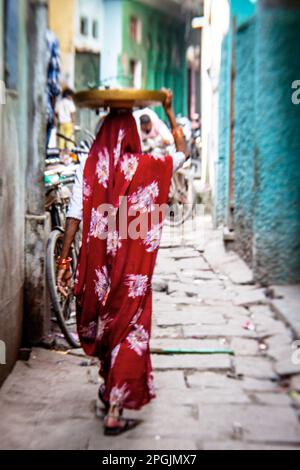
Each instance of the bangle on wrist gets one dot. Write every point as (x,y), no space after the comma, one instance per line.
(177,132)
(64,263)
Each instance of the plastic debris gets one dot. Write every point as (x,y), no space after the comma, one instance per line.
(248,325)
(294,395)
(84,363)
(238,431)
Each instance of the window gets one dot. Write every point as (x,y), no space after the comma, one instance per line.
(136,29)
(95,29)
(87,69)
(135,70)
(11,43)
(84,26)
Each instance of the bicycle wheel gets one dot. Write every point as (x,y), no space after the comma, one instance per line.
(64,308)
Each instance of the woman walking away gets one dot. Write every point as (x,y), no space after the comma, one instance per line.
(115,267)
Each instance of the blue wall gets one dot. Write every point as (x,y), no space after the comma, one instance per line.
(244,139)
(222,165)
(241,12)
(277,196)
(266,141)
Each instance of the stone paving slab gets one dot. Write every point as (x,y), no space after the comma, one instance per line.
(287,305)
(257,367)
(287,367)
(244,346)
(251,297)
(252,423)
(189,318)
(191,361)
(213,380)
(275,399)
(217,331)
(196,344)
(207,396)
(172,379)
(172,332)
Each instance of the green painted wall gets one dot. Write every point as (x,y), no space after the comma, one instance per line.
(161,51)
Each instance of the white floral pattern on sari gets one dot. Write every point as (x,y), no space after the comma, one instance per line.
(117,149)
(88,331)
(102,168)
(129,166)
(153,237)
(113,243)
(77,274)
(144,198)
(118,395)
(114,354)
(138,340)
(157,154)
(102,325)
(102,284)
(136,317)
(98,224)
(137,284)
(87,190)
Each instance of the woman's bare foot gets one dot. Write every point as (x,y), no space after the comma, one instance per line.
(114,418)
(115,424)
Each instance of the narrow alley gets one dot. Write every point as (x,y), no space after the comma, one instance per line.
(120,118)
(206,308)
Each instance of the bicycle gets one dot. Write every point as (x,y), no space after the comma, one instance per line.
(182,194)
(57,179)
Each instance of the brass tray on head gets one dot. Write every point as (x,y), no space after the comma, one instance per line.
(119,98)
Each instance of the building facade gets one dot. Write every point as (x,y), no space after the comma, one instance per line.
(125,43)
(258,167)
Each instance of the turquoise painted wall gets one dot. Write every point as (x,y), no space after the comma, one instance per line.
(266,143)
(244,138)
(277,167)
(241,12)
(222,166)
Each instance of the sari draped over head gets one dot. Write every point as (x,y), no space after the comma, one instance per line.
(114,271)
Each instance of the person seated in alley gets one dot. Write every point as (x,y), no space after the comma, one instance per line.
(115,268)
(153,131)
(65,112)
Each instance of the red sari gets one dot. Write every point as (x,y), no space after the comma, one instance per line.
(114,272)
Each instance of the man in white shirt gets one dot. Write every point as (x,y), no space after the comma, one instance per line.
(153,131)
(65,111)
